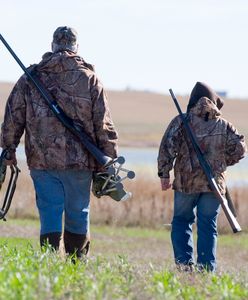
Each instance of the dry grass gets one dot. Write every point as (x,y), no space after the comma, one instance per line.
(149,207)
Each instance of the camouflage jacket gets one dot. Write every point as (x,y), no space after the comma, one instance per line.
(48,144)
(218,139)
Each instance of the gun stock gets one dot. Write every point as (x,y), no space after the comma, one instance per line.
(207,170)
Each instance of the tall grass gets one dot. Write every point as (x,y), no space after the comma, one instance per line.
(148,207)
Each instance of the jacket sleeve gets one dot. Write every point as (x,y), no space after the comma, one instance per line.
(106,135)
(169,147)
(14,118)
(235,146)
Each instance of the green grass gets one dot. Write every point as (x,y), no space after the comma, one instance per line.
(124,264)
(22,222)
(132,232)
(239,242)
(16,242)
(198,286)
(28,273)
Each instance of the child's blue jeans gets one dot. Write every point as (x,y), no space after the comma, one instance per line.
(207,210)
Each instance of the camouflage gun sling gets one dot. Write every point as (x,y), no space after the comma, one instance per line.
(14,172)
(208,171)
(108,182)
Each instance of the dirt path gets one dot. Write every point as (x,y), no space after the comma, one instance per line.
(8,229)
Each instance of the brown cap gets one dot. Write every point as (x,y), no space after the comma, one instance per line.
(65,38)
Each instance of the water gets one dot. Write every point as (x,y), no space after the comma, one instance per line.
(144,162)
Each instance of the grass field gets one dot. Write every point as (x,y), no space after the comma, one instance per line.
(125,263)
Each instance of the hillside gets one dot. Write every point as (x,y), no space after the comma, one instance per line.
(141,117)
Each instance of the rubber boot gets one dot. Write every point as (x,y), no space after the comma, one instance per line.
(51,238)
(77,244)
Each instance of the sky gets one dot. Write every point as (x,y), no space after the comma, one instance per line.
(150,45)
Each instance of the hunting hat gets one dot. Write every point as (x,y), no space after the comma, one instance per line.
(65,38)
(203,90)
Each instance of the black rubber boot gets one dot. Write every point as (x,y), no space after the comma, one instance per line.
(78,244)
(52,238)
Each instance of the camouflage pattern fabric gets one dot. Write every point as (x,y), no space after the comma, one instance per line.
(219,140)
(77,90)
(65,35)
(64,38)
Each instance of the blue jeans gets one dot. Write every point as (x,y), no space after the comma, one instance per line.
(207,210)
(58,192)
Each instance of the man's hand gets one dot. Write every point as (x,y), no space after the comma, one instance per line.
(10,159)
(165,183)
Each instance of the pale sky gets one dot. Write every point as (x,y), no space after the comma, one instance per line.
(145,45)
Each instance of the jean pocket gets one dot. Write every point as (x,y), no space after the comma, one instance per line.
(37,174)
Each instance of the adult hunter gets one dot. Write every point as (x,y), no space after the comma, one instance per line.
(222,146)
(60,166)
